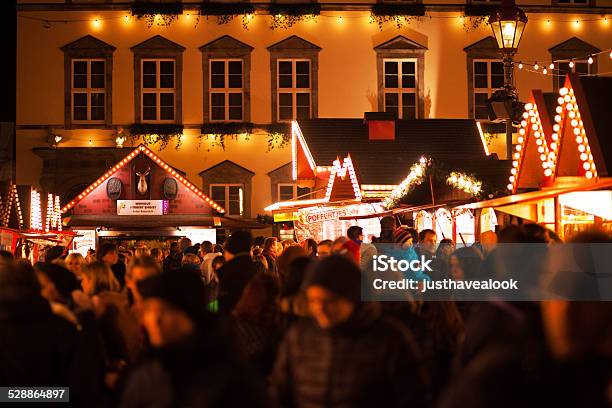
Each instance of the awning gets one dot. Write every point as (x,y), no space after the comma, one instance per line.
(534,196)
(159,221)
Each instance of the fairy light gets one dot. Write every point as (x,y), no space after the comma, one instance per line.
(144,150)
(58,213)
(520,65)
(340,20)
(551,66)
(414,178)
(590,60)
(545,71)
(465,183)
(341,170)
(35,211)
(536,66)
(571,64)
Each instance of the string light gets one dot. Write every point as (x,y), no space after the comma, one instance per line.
(536,66)
(143,150)
(545,71)
(414,178)
(520,65)
(571,64)
(590,60)
(552,65)
(464,182)
(340,20)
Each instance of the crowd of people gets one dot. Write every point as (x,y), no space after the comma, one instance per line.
(258,322)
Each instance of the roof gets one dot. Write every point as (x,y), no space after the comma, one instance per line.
(155,221)
(454,142)
(598,92)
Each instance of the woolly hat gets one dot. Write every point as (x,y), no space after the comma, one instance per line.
(402,234)
(183,288)
(239,242)
(337,274)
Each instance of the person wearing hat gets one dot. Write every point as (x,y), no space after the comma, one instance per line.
(238,270)
(348,354)
(191,362)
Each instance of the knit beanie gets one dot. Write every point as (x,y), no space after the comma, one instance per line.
(337,274)
(239,242)
(183,288)
(402,234)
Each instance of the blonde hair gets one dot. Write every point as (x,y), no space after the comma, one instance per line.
(102,277)
(142,252)
(190,259)
(75,256)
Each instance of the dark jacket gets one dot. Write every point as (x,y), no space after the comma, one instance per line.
(369,361)
(201,371)
(172,261)
(119,272)
(38,348)
(233,278)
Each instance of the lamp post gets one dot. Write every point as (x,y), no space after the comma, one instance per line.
(508,24)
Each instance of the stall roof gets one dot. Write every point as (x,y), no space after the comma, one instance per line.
(455,143)
(156,221)
(537,195)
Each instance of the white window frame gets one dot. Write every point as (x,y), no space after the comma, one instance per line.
(226,90)
(401,90)
(88,90)
(489,89)
(157,90)
(226,200)
(293,90)
(580,61)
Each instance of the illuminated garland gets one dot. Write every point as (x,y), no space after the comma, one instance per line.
(465,183)
(287,15)
(415,177)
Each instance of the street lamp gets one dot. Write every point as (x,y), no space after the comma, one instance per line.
(508,24)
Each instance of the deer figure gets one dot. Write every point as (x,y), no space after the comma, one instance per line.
(142,181)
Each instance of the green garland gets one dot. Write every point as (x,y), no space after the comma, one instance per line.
(398,14)
(226,12)
(154,133)
(476,15)
(166,13)
(287,15)
(279,135)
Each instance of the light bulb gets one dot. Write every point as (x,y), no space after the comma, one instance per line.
(340,20)
(571,64)
(536,66)
(520,65)
(552,65)
(545,71)
(590,60)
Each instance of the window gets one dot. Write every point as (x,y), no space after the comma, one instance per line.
(88,88)
(488,77)
(563,68)
(288,192)
(228,196)
(158,90)
(226,90)
(294,89)
(400,87)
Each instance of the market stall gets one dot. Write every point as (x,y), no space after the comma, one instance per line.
(412,169)
(560,176)
(142,198)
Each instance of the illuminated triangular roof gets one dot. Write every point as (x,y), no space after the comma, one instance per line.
(568,147)
(142,149)
(343,184)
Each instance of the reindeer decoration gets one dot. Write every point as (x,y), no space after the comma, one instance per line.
(142,181)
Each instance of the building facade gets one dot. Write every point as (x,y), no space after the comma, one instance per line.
(212,94)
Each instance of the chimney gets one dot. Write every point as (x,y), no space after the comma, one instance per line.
(381,125)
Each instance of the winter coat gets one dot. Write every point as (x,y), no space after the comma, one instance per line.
(368,361)
(39,348)
(172,261)
(257,343)
(201,371)
(233,278)
(119,326)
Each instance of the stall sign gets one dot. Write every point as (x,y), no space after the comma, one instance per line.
(83,241)
(312,217)
(285,217)
(142,207)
